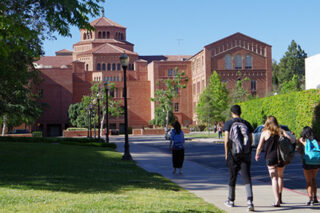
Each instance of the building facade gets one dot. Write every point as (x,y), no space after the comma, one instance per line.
(69,75)
(313,72)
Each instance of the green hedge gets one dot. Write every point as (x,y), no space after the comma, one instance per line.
(71,141)
(77,129)
(37,134)
(295,109)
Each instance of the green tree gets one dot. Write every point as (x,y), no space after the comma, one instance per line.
(275,74)
(78,112)
(24,24)
(164,97)
(291,86)
(213,102)
(292,63)
(239,94)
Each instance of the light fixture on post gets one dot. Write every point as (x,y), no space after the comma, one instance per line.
(106,87)
(124,60)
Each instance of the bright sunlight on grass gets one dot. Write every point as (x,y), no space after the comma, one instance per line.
(68,178)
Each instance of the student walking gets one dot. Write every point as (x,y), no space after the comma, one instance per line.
(237,144)
(310,169)
(219,131)
(270,137)
(177,147)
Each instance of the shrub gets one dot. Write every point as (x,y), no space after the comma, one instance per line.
(77,129)
(295,109)
(71,141)
(37,134)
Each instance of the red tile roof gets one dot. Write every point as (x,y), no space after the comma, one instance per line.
(54,61)
(111,41)
(104,22)
(64,51)
(151,58)
(108,48)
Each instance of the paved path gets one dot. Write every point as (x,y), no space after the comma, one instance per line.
(211,183)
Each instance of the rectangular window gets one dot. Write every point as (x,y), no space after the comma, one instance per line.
(176,89)
(170,72)
(253,85)
(176,107)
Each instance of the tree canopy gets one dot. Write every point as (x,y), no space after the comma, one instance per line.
(24,24)
(164,96)
(213,101)
(292,63)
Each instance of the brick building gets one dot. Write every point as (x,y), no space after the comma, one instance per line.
(69,75)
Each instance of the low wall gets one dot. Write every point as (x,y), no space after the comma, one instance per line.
(153,131)
(19,135)
(70,134)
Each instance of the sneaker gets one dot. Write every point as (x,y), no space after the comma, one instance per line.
(315,200)
(309,203)
(250,207)
(229,203)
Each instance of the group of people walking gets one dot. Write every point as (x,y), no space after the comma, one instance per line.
(237,144)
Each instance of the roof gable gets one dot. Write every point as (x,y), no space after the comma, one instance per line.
(104,22)
(245,37)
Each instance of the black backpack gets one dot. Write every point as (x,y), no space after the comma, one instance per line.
(239,141)
(286,149)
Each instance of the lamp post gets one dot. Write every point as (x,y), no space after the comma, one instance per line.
(98,100)
(90,133)
(124,60)
(106,87)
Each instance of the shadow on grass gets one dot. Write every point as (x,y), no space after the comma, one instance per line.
(57,167)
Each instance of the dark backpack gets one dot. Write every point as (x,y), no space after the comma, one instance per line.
(286,149)
(239,138)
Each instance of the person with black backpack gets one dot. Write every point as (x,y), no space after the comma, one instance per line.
(270,140)
(177,146)
(237,144)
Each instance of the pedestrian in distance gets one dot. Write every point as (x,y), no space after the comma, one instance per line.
(219,131)
(237,144)
(270,137)
(310,170)
(177,146)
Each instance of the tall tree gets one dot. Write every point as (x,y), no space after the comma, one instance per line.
(213,101)
(275,76)
(78,112)
(163,98)
(292,63)
(239,94)
(24,24)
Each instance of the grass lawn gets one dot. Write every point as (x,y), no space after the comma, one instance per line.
(203,135)
(69,178)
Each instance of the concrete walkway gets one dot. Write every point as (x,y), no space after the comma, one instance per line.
(211,184)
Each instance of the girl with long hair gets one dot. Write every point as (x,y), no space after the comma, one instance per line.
(270,137)
(310,171)
(177,147)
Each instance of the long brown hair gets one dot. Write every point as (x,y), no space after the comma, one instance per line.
(272,125)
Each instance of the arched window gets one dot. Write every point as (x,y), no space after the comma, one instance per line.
(238,62)
(116,35)
(121,36)
(109,67)
(84,36)
(113,67)
(248,61)
(98,66)
(108,34)
(99,34)
(90,34)
(228,62)
(104,67)
(118,66)
(87,67)
(132,67)
(103,34)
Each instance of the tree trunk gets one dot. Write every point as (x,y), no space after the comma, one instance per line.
(167,120)
(4,124)
(102,121)
(208,128)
